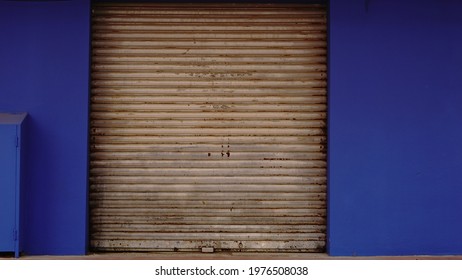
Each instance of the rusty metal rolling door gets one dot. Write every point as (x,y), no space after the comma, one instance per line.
(208,127)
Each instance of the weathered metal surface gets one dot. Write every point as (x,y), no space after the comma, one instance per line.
(208,127)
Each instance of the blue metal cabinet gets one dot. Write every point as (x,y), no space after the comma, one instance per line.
(11,126)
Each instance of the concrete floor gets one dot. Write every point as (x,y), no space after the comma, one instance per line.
(223,256)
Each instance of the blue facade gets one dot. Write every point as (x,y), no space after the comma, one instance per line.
(395,108)
(44,70)
(395,114)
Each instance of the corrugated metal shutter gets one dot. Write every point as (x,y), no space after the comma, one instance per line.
(208,127)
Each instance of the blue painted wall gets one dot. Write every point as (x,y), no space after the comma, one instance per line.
(44,70)
(395,127)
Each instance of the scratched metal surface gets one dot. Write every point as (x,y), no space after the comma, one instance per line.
(208,128)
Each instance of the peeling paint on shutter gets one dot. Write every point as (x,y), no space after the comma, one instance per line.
(208,127)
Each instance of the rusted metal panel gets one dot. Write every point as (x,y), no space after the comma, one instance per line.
(208,127)
(186,245)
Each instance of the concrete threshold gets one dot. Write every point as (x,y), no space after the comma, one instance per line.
(225,256)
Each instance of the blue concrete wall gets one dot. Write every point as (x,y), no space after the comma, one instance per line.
(44,70)
(395,127)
